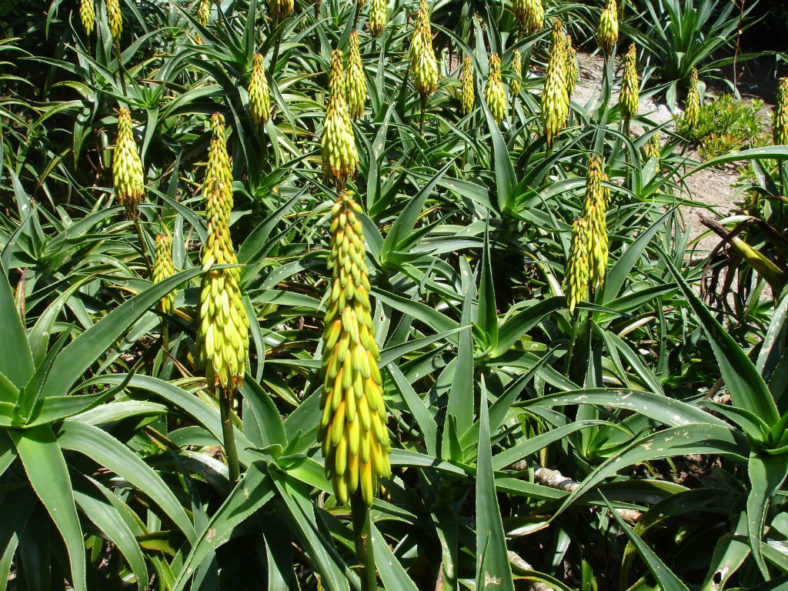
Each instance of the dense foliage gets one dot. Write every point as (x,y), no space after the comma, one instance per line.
(263,258)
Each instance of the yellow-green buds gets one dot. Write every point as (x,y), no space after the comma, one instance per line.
(259,98)
(338,142)
(280,9)
(594,207)
(356,81)
(128,177)
(378,15)
(629,96)
(692,104)
(115,18)
(353,423)
(652,148)
(494,93)
(571,66)
(576,276)
(467,97)
(555,102)
(423,64)
(163,269)
(87,14)
(530,15)
(780,121)
(517,72)
(223,337)
(607,31)
(204,12)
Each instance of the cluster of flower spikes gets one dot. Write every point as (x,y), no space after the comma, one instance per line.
(780,121)
(223,337)
(378,15)
(571,66)
(555,100)
(338,141)
(630,94)
(164,269)
(494,93)
(114,18)
(530,15)
(280,9)
(607,31)
(87,14)
(467,98)
(259,97)
(594,208)
(692,104)
(517,70)
(588,251)
(356,84)
(353,422)
(127,174)
(423,64)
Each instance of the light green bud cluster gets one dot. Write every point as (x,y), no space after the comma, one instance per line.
(607,31)
(423,65)
(468,96)
(87,14)
(530,15)
(338,141)
(164,269)
(115,18)
(356,85)
(494,93)
(780,121)
(378,15)
(517,72)
(555,102)
(630,93)
(128,177)
(692,104)
(259,97)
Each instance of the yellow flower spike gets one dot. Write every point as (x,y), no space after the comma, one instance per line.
(223,338)
(423,65)
(571,67)
(353,430)
(494,93)
(164,269)
(577,272)
(204,12)
(517,71)
(87,14)
(356,81)
(780,121)
(338,142)
(468,97)
(259,97)
(115,18)
(607,31)
(594,206)
(530,15)
(280,9)
(378,15)
(555,102)
(629,96)
(127,173)
(652,148)
(692,105)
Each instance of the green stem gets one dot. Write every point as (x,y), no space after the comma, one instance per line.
(225,407)
(362,528)
(275,57)
(165,333)
(120,67)
(143,247)
(572,342)
(421,119)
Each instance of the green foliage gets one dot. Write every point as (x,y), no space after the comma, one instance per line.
(726,124)
(637,442)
